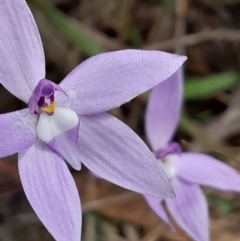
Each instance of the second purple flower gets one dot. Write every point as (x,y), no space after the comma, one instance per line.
(186,171)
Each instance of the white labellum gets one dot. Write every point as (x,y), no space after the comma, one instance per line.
(169,165)
(50,126)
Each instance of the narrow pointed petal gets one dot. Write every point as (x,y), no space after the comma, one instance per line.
(111,150)
(51,191)
(163,110)
(17,131)
(157,207)
(206,170)
(22,62)
(108,80)
(190,209)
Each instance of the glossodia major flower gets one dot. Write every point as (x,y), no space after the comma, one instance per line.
(186,171)
(69,121)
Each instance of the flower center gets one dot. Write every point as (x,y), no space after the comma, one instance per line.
(53,121)
(42,98)
(168,157)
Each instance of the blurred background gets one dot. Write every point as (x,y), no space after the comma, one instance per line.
(207,31)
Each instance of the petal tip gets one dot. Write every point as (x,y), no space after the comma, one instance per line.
(184,58)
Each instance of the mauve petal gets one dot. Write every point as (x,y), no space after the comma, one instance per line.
(108,80)
(17,131)
(206,170)
(112,151)
(22,62)
(190,209)
(157,207)
(51,191)
(65,144)
(163,110)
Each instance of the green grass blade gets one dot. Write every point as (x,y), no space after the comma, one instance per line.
(68,27)
(200,88)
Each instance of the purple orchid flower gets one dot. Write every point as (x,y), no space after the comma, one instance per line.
(186,171)
(69,121)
